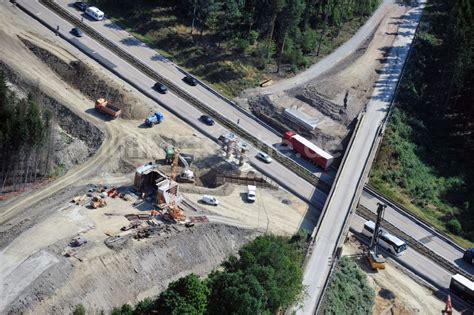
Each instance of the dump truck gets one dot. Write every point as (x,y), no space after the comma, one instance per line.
(104,107)
(154,119)
(307,149)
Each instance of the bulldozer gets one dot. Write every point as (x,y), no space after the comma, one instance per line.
(97,202)
(376,261)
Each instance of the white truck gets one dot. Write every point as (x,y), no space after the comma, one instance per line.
(251,193)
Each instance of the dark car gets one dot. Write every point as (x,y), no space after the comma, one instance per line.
(190,80)
(160,87)
(76,31)
(80,5)
(207,120)
(469,256)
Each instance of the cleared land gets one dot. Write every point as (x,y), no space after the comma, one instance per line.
(334,98)
(37,225)
(395,291)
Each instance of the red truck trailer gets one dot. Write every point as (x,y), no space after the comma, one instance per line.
(102,105)
(307,149)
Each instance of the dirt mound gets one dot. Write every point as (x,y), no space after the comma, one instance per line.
(82,77)
(144,268)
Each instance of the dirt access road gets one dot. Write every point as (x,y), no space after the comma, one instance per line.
(396,291)
(329,61)
(121,136)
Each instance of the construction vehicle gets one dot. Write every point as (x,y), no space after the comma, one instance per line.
(97,202)
(376,261)
(79,200)
(154,119)
(186,175)
(169,155)
(104,107)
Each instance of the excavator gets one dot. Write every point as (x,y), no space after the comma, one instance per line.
(376,261)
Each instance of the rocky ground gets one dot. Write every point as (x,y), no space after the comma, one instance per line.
(333,98)
(36,225)
(396,292)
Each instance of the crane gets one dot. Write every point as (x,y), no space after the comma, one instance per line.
(376,261)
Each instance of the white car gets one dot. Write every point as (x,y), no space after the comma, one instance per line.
(210,200)
(251,193)
(264,157)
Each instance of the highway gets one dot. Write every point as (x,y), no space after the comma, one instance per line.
(376,111)
(171,71)
(353,173)
(421,232)
(181,108)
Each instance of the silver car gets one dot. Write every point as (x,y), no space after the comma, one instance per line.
(264,157)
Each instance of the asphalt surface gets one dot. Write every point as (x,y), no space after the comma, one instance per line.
(187,111)
(275,170)
(329,61)
(419,231)
(436,275)
(171,71)
(318,264)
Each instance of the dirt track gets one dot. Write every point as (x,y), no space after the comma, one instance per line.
(396,292)
(332,98)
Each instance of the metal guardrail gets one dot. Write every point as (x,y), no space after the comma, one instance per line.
(419,221)
(374,148)
(413,243)
(288,163)
(323,214)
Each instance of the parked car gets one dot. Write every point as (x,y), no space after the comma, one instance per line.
(210,200)
(80,5)
(207,120)
(76,31)
(469,256)
(160,87)
(251,193)
(190,80)
(264,157)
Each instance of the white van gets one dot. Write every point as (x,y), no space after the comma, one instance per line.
(210,200)
(95,13)
(251,193)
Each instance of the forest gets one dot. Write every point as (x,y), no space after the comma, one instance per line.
(426,159)
(25,132)
(230,42)
(265,277)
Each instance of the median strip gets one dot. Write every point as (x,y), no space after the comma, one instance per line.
(288,163)
(413,243)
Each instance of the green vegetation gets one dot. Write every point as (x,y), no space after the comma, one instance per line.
(349,292)
(79,310)
(426,159)
(230,42)
(265,278)
(24,139)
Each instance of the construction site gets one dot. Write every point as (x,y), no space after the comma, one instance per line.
(143,198)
